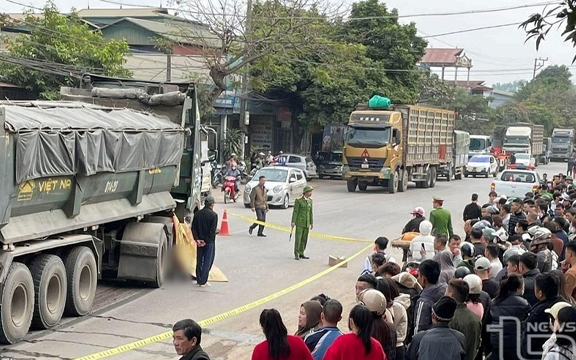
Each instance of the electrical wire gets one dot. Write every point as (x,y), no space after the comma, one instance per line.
(452,13)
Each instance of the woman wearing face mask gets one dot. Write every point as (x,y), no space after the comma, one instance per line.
(358,345)
(308,318)
(560,346)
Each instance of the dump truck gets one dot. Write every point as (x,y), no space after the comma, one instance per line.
(524,138)
(460,150)
(389,145)
(90,185)
(563,144)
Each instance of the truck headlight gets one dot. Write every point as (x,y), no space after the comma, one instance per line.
(277,189)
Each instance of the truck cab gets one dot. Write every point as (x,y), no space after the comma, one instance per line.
(563,144)
(479,145)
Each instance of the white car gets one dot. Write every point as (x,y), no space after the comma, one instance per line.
(283,185)
(482,165)
(516,181)
(524,159)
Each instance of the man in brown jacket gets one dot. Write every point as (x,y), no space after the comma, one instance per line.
(259,204)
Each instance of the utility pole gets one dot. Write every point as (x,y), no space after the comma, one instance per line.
(244,114)
(538,64)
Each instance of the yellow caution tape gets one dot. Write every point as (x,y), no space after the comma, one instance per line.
(289,229)
(167,335)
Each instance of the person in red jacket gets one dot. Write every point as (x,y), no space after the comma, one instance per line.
(279,345)
(358,345)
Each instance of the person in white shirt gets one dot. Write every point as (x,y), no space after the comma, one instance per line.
(422,246)
(491,254)
(380,245)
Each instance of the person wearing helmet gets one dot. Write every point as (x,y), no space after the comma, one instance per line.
(468,252)
(414,224)
(382,331)
(541,245)
(233,171)
(478,299)
(461,272)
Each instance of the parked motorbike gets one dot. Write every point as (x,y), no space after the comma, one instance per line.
(217,174)
(229,189)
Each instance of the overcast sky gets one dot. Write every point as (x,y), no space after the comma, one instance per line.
(498,55)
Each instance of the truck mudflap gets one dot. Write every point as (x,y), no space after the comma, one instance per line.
(143,253)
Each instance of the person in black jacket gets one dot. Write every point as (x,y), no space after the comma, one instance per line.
(537,329)
(414,224)
(186,340)
(515,216)
(472,210)
(204,231)
(527,267)
(505,333)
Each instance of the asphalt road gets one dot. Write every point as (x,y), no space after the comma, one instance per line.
(256,267)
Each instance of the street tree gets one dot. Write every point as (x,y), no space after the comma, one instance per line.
(232,38)
(57,51)
(554,15)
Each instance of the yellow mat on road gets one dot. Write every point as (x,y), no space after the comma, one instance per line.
(186,252)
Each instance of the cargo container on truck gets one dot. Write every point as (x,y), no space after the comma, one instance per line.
(524,138)
(563,144)
(89,188)
(390,146)
(457,167)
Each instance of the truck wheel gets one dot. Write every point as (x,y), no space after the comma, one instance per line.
(351,185)
(82,275)
(427,180)
(393,182)
(459,175)
(320,177)
(49,275)
(362,186)
(17,304)
(403,184)
(161,264)
(434,177)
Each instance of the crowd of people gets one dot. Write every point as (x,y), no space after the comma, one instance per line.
(506,291)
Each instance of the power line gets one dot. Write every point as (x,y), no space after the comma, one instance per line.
(473,29)
(453,13)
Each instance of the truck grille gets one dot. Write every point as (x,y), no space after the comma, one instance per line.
(355,163)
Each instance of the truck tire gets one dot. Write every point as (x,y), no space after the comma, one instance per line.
(393,182)
(49,275)
(82,275)
(351,185)
(459,175)
(403,184)
(161,266)
(17,304)
(433,177)
(362,186)
(426,182)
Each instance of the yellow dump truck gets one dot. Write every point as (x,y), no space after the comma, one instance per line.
(390,146)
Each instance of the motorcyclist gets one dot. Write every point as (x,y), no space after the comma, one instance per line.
(232,161)
(260,160)
(233,171)
(269,158)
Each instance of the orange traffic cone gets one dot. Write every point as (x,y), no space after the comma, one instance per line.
(224,231)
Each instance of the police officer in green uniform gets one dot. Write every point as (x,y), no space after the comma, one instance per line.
(441,219)
(303,220)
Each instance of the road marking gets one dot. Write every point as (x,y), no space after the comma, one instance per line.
(168,334)
(288,229)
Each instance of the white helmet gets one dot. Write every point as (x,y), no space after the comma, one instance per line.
(474,283)
(374,300)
